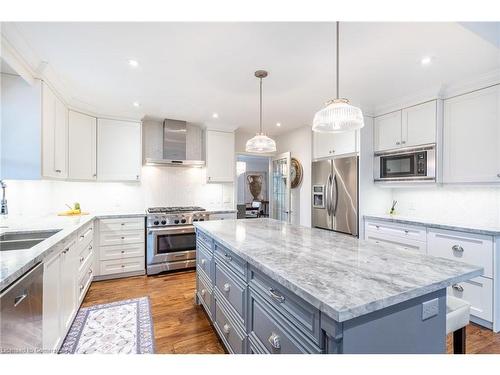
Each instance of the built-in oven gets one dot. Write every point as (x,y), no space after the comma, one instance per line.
(411,164)
(170,248)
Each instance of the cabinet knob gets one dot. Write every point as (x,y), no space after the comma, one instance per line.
(81,287)
(94,175)
(58,171)
(457,248)
(274,340)
(227,287)
(123,238)
(498,174)
(226,328)
(137,177)
(228,257)
(406,231)
(458,287)
(403,142)
(123,251)
(90,271)
(203,292)
(398,143)
(82,259)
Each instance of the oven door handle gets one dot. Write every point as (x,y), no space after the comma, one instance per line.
(172,230)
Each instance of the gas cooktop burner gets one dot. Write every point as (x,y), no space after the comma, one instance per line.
(172,210)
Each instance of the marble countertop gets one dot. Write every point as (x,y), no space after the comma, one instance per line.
(341,275)
(15,263)
(489,230)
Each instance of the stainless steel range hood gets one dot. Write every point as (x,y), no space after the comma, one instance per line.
(173,143)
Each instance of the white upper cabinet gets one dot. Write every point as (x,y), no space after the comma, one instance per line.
(220,156)
(334,144)
(82,149)
(54,135)
(409,127)
(387,131)
(471,150)
(119,150)
(419,124)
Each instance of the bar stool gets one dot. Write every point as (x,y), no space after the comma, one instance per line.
(457,318)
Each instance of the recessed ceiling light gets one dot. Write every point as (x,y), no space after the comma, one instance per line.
(133,63)
(426,60)
(136,104)
(278,124)
(215,115)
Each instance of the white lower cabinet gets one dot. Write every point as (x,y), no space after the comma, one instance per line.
(470,248)
(65,270)
(121,247)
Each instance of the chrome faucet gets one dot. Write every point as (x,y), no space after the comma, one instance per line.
(3,204)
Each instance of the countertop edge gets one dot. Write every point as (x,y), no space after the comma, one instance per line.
(435,225)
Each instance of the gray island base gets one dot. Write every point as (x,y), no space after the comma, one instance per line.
(273,287)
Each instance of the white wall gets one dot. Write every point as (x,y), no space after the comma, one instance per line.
(448,203)
(299,143)
(160,186)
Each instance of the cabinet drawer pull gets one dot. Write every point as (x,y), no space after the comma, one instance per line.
(228,257)
(227,287)
(123,265)
(123,251)
(274,340)
(203,261)
(20,298)
(203,291)
(457,248)
(122,224)
(90,271)
(90,247)
(123,238)
(81,287)
(226,328)
(58,171)
(398,143)
(278,297)
(403,142)
(458,287)
(82,259)
(407,231)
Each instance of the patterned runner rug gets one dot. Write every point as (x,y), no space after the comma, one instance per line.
(123,327)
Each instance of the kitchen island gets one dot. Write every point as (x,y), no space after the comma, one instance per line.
(274,287)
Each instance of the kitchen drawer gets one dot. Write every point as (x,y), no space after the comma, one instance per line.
(121,237)
(84,281)
(223,216)
(274,333)
(205,294)
(303,315)
(204,262)
(230,332)
(232,261)
(85,235)
(121,251)
(204,240)
(479,293)
(110,267)
(402,243)
(121,224)
(85,256)
(465,247)
(411,232)
(232,289)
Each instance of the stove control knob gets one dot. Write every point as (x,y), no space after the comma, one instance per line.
(156,222)
(195,219)
(164,222)
(176,221)
(202,219)
(183,221)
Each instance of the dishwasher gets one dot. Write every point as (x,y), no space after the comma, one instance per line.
(21,307)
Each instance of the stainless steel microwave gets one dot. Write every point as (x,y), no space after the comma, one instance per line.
(408,164)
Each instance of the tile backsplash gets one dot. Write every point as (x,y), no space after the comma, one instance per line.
(475,205)
(159,186)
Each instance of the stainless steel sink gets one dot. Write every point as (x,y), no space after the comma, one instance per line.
(20,240)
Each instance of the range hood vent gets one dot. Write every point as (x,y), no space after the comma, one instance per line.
(181,145)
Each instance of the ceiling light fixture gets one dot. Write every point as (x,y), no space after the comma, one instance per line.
(215,115)
(136,104)
(338,115)
(426,60)
(133,63)
(261,142)
(278,124)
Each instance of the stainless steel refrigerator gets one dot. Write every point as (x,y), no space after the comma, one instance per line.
(335,194)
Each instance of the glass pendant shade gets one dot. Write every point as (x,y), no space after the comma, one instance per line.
(260,143)
(338,116)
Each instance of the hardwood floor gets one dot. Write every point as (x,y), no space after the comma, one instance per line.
(180,326)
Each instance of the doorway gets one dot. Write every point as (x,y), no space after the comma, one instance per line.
(254,183)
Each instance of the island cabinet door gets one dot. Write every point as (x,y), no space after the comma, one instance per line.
(230,288)
(232,334)
(272,333)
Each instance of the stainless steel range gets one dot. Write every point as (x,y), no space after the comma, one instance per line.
(171,239)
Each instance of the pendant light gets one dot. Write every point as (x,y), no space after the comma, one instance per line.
(260,143)
(338,115)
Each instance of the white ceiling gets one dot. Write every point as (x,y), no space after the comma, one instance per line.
(190,70)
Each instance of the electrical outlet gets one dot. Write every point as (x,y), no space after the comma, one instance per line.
(430,308)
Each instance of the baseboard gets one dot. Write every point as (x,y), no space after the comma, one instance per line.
(119,275)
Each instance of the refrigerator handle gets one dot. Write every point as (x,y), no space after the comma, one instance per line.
(328,195)
(336,199)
